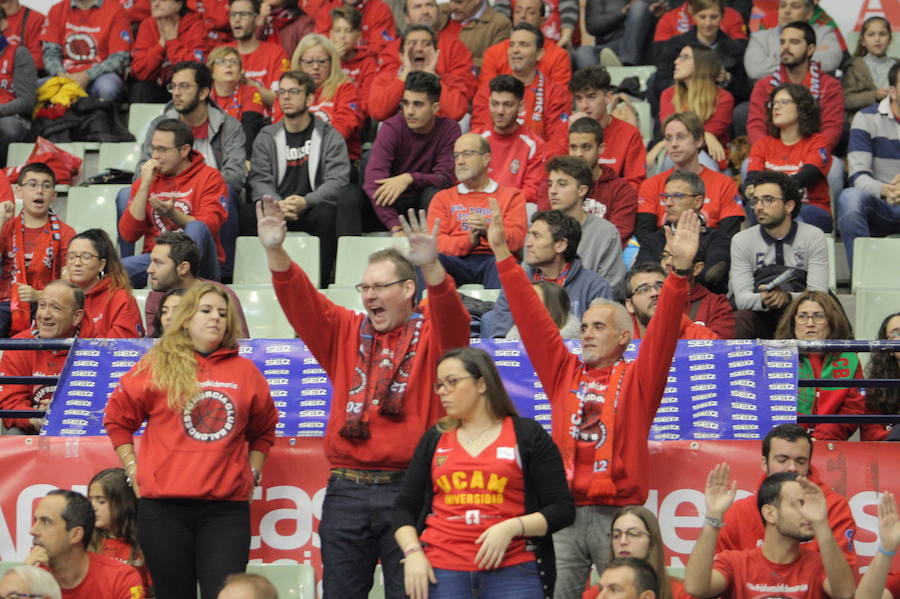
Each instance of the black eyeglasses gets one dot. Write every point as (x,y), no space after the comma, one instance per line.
(376,287)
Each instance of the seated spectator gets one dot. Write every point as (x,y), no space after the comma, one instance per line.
(551,255)
(412,157)
(29,581)
(630,578)
(115,529)
(88,41)
(610,197)
(695,90)
(865,80)
(704,307)
(554,62)
(242,101)
(263,62)
(883,365)
(476,24)
(546,104)
(23,28)
(517,156)
(175,191)
(163,318)
(59,314)
(708,33)
(684,191)
(870,207)
(558,19)
(786,448)
(620,29)
(798,44)
(679,20)
(63,527)
(556,300)
(464,215)
(33,247)
(110,311)
(377,22)
(335,99)
(591,88)
(301,161)
(419,51)
(796,148)
(569,180)
(173,34)
(285,23)
(18,90)
(643,285)
(174,264)
(763,55)
(358,63)
(766,251)
(247,586)
(683,136)
(815,316)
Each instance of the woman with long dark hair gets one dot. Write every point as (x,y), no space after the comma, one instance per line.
(883,365)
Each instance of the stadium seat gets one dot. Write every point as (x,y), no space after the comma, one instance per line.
(139,118)
(645,119)
(93,206)
(141,296)
(377,591)
(873,263)
(251,267)
(264,315)
(485,295)
(872,305)
(123,156)
(353,256)
(642,72)
(346,297)
(6,566)
(292,581)
(832,263)
(19,152)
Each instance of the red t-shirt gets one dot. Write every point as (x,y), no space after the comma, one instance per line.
(121,551)
(679,20)
(471,494)
(246,98)
(87,37)
(29,35)
(625,153)
(109,579)
(266,64)
(771,154)
(722,197)
(751,576)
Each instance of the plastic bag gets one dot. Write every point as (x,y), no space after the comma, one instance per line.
(65,166)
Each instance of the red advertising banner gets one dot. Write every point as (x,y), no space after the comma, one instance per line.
(287,507)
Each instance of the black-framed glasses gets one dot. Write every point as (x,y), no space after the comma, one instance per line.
(376,287)
(677,197)
(35,184)
(293,92)
(764,200)
(646,287)
(449,383)
(182,87)
(83,257)
(465,154)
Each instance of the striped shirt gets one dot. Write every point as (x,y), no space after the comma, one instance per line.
(874,150)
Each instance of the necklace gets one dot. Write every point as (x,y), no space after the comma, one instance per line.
(472,440)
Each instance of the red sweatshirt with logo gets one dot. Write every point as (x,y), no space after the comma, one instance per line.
(28,362)
(111,313)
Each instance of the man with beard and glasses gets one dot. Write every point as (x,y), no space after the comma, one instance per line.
(642,289)
(263,62)
(794,511)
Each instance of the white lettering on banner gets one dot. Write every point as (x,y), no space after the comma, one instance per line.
(865,520)
(300,517)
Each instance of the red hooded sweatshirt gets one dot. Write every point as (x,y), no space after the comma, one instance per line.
(152,62)
(111,313)
(198,191)
(620,200)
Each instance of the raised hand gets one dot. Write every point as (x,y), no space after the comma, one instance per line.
(422,249)
(814,507)
(496,235)
(888,522)
(684,242)
(270,225)
(720,491)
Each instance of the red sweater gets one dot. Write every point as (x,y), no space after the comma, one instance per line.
(266,64)
(152,62)
(517,160)
(377,22)
(619,199)
(834,401)
(719,123)
(744,528)
(626,156)
(831,106)
(246,98)
(687,329)
(714,311)
(111,313)
(332,335)
(454,204)
(722,199)
(32,33)
(28,362)
(361,69)
(555,63)
(198,191)
(560,371)
(454,67)
(201,452)
(87,37)
(679,20)
(36,274)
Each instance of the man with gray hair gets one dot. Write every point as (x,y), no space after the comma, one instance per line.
(247,586)
(29,581)
(602,407)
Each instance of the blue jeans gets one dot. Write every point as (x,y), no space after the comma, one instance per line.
(512,582)
(209,261)
(861,214)
(108,86)
(474,268)
(355,532)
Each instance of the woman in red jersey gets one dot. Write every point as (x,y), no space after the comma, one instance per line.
(233,95)
(210,425)
(491,489)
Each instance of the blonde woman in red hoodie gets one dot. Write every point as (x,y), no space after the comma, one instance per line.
(210,425)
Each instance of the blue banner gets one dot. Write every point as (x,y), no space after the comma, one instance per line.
(732,389)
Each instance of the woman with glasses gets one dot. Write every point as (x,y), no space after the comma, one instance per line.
(336,99)
(883,365)
(795,147)
(483,493)
(814,316)
(110,311)
(173,34)
(234,95)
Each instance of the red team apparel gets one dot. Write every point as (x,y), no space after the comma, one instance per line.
(453,206)
(152,62)
(48,265)
(771,154)
(342,111)
(377,22)
(362,69)
(28,362)
(718,124)
(722,198)
(751,576)
(612,198)
(198,191)
(110,313)
(266,64)
(624,153)
(246,98)
(121,551)
(107,578)
(23,28)
(679,20)
(200,452)
(555,63)
(87,37)
(517,160)
(471,494)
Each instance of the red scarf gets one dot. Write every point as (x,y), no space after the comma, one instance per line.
(46,249)
(380,380)
(560,280)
